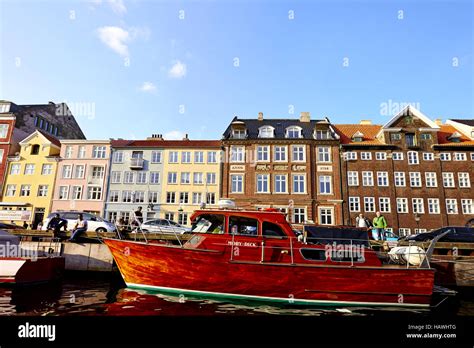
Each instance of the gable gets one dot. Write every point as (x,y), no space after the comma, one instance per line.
(410,117)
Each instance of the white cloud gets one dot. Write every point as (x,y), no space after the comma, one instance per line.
(117,6)
(178,70)
(148,87)
(174,135)
(115,38)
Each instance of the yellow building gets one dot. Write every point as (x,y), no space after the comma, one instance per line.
(191,177)
(29,182)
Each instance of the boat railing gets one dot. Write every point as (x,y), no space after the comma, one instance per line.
(41,246)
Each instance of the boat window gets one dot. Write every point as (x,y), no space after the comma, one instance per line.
(209,223)
(242,225)
(272,230)
(314,254)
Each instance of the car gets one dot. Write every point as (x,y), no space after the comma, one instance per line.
(164,226)
(6,226)
(94,222)
(458,234)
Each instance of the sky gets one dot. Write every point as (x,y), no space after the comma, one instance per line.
(131,68)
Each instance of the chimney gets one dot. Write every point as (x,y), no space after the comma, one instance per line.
(439,121)
(186,137)
(155,136)
(365,122)
(305,117)
(260,116)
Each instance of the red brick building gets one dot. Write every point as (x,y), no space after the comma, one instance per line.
(289,164)
(413,170)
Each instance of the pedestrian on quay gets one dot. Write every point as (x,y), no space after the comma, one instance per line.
(138,216)
(363,222)
(380,224)
(25,225)
(79,228)
(55,224)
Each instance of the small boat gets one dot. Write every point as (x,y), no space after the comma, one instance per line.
(19,266)
(256,255)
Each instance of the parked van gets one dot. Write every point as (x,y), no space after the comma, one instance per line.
(94,222)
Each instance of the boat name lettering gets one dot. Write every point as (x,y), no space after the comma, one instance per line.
(244,244)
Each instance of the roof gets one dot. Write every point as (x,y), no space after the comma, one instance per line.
(48,137)
(279,125)
(166,143)
(346,131)
(446,131)
(410,110)
(469,123)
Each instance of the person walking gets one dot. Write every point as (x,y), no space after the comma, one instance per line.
(79,228)
(380,224)
(138,216)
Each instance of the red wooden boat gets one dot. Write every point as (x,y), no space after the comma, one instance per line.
(256,255)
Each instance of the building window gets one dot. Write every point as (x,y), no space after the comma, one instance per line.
(263,183)
(400,180)
(98,172)
(402,205)
(280,184)
(15,169)
(25,190)
(183,218)
(4,130)
(141,178)
(445,156)
(299,215)
(467,206)
(118,157)
(448,180)
(367,179)
(433,206)
(384,204)
(397,156)
(238,134)
(425,136)
(185,178)
(350,156)
(47,169)
(79,171)
(263,153)
(410,139)
(35,149)
(413,157)
(211,198)
(381,156)
(237,183)
(184,197)
(325,185)
(82,152)
(293,132)
(186,157)
(395,136)
(94,193)
(63,192)
(472,156)
(237,154)
(382,178)
(114,196)
(265,132)
(68,152)
(322,134)
(460,156)
(154,178)
(171,197)
(199,157)
(169,216)
(76,192)
(369,204)
(116,177)
(415,179)
(10,190)
(324,154)
(417,205)
(67,171)
(326,216)
(279,153)
(464,180)
(172,178)
(298,153)
(197,178)
(354,204)
(211,157)
(129,178)
(452,206)
(139,196)
(99,152)
(156,156)
(42,190)
(353,178)
(197,197)
(127,196)
(402,232)
(431,179)
(211,178)
(29,169)
(428,156)
(152,197)
(299,183)
(366,156)
(173,157)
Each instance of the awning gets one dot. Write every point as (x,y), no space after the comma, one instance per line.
(14,204)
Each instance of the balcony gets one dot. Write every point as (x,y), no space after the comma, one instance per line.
(136,163)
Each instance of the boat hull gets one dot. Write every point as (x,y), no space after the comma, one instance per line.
(211,273)
(26,271)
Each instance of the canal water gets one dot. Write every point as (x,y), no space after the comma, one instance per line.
(107,296)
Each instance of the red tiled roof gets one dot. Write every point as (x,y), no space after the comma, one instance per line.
(52,139)
(446,131)
(346,131)
(166,143)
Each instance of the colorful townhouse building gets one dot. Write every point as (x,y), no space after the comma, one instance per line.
(82,179)
(30,179)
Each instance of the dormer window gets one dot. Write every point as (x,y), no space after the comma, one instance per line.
(266,132)
(322,134)
(4,108)
(239,133)
(293,132)
(35,149)
(455,137)
(358,137)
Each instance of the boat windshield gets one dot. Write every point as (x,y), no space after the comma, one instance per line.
(209,223)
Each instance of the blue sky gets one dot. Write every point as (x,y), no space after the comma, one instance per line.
(194,65)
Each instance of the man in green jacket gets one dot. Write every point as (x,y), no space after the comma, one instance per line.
(380,224)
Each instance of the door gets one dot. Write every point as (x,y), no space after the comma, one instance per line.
(277,247)
(38,217)
(410,139)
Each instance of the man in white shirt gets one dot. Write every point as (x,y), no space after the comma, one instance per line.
(79,228)
(362,221)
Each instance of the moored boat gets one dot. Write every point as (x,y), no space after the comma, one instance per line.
(256,255)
